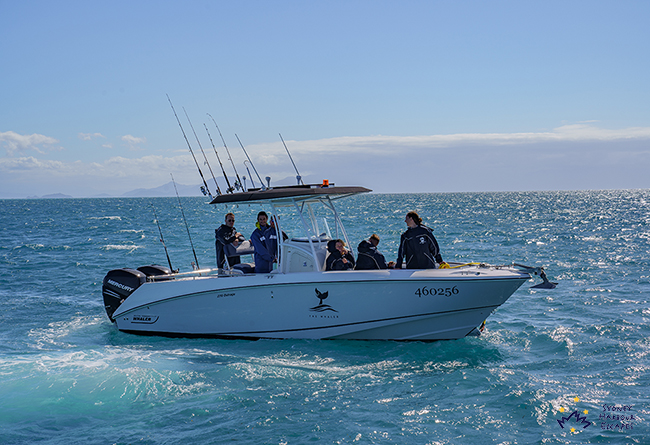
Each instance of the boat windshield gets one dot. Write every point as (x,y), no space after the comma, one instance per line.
(301,208)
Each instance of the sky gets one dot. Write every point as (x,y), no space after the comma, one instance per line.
(396,96)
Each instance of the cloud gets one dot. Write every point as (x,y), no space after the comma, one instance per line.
(576,156)
(115,167)
(386,144)
(133,141)
(574,144)
(14,142)
(89,136)
(30,163)
(23,176)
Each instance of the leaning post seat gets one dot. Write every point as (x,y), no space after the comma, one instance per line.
(245,267)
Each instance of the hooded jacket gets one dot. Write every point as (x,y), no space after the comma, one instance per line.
(369,257)
(225,235)
(420,248)
(335,259)
(264,241)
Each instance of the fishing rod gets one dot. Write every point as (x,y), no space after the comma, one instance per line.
(249,174)
(185,220)
(238,184)
(162,240)
(298,177)
(205,190)
(201,147)
(253,165)
(230,188)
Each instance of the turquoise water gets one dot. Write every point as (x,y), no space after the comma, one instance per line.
(68,376)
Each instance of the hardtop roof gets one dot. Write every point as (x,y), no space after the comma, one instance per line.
(288,194)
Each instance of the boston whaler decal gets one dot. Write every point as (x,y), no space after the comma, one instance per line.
(147,319)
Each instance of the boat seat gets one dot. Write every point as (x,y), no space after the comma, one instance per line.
(245,267)
(244,248)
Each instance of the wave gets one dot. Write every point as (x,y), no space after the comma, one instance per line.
(116,218)
(129,247)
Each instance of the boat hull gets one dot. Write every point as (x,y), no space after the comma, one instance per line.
(361,305)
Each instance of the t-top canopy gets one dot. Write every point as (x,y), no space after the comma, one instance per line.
(288,194)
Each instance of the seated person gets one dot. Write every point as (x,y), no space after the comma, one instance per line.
(227,234)
(369,257)
(339,258)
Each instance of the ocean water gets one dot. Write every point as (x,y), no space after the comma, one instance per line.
(67,376)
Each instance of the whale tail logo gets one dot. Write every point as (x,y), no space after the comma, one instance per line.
(322,307)
(321,295)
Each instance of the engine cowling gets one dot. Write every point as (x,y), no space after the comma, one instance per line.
(118,285)
(155,270)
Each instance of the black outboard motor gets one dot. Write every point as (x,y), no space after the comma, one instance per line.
(118,285)
(155,270)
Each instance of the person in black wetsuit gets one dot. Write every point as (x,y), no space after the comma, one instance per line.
(339,258)
(227,234)
(418,245)
(369,257)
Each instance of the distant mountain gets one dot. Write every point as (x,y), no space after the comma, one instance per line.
(165,190)
(53,196)
(195,190)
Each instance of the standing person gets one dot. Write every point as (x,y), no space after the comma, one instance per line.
(339,258)
(226,235)
(263,244)
(418,245)
(272,244)
(369,257)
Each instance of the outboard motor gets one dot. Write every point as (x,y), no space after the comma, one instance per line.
(155,270)
(118,285)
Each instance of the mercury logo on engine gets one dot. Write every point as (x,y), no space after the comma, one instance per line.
(120,285)
(148,319)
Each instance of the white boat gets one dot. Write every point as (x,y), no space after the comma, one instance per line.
(299,299)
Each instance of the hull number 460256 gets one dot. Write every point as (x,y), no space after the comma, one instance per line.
(442,291)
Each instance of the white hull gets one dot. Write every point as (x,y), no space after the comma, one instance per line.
(364,305)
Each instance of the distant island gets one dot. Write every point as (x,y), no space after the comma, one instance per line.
(51,196)
(164,190)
